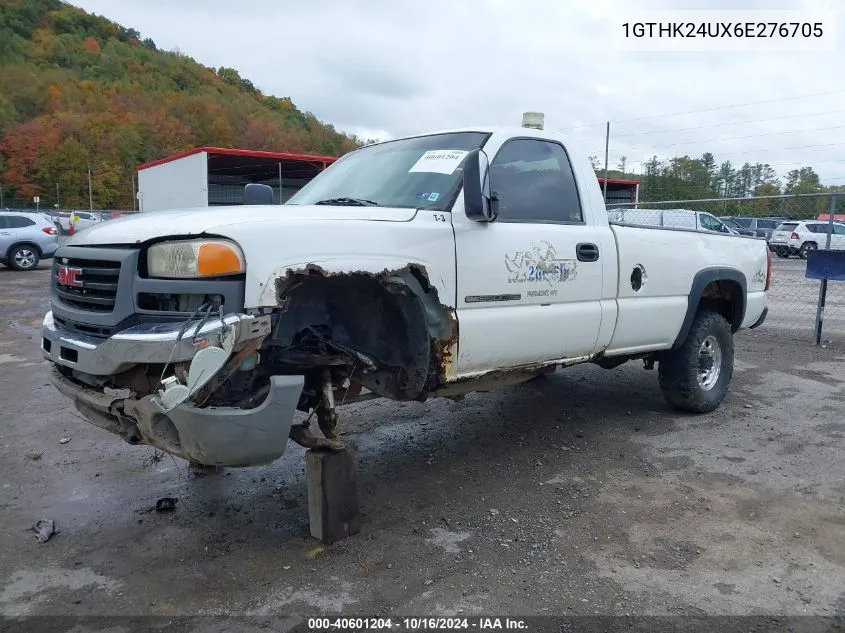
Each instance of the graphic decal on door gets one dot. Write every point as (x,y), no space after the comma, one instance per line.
(540,263)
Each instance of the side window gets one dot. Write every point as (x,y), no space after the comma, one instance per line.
(744,222)
(4,221)
(815,228)
(766,224)
(838,229)
(534,183)
(19,222)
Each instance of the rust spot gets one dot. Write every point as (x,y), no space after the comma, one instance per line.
(446,350)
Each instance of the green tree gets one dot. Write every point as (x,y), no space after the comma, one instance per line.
(803,180)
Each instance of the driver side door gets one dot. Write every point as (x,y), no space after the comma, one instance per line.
(529,284)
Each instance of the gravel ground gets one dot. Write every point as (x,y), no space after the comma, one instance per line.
(577,493)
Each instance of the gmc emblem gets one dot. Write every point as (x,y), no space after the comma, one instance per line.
(66,276)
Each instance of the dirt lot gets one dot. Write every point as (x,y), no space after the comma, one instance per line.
(579,493)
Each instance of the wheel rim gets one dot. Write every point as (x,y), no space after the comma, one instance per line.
(709,363)
(25,258)
(809,247)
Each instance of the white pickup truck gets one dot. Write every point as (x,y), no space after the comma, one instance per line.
(427,266)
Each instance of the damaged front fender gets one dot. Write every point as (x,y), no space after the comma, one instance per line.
(388,327)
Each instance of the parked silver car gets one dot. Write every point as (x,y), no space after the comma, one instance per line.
(25,239)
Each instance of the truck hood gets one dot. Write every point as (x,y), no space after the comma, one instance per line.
(142,227)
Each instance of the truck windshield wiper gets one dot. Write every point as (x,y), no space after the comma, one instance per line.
(349,202)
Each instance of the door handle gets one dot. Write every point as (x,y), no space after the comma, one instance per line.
(586,252)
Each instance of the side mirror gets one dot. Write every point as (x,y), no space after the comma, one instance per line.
(255,193)
(478,201)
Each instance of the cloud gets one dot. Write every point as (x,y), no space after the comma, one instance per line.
(392,68)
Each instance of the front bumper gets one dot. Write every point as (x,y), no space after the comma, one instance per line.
(148,343)
(221,436)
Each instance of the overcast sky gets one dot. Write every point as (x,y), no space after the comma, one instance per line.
(384,68)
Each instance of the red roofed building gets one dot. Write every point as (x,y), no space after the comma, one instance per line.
(620,190)
(211,176)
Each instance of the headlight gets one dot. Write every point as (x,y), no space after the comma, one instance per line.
(194,258)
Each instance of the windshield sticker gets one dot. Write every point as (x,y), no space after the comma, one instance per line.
(439,161)
(422,195)
(433,197)
(539,263)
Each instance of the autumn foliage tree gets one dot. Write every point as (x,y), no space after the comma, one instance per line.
(77,90)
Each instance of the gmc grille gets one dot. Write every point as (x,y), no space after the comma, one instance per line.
(98,289)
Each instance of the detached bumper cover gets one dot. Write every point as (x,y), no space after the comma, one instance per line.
(221,436)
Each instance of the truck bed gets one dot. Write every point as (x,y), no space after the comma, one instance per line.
(668,261)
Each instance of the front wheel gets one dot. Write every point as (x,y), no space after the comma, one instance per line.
(695,377)
(23,258)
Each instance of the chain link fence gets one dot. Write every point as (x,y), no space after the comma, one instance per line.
(793,226)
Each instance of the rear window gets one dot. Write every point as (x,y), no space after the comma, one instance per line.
(19,222)
(788,226)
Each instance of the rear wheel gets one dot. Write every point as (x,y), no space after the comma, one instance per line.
(805,248)
(695,377)
(24,258)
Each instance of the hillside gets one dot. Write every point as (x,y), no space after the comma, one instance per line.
(79,90)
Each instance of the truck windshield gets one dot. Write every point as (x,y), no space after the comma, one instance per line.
(424,171)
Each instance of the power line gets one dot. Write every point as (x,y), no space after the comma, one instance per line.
(734,138)
(712,125)
(730,107)
(763,150)
(713,109)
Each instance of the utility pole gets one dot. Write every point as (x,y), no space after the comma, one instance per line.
(132,178)
(1,198)
(606,149)
(57,197)
(90,195)
(280,183)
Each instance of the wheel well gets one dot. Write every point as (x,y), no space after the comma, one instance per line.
(24,243)
(719,289)
(726,298)
(388,330)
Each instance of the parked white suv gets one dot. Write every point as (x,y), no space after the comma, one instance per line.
(797,237)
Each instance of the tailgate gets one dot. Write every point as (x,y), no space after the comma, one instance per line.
(782,233)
